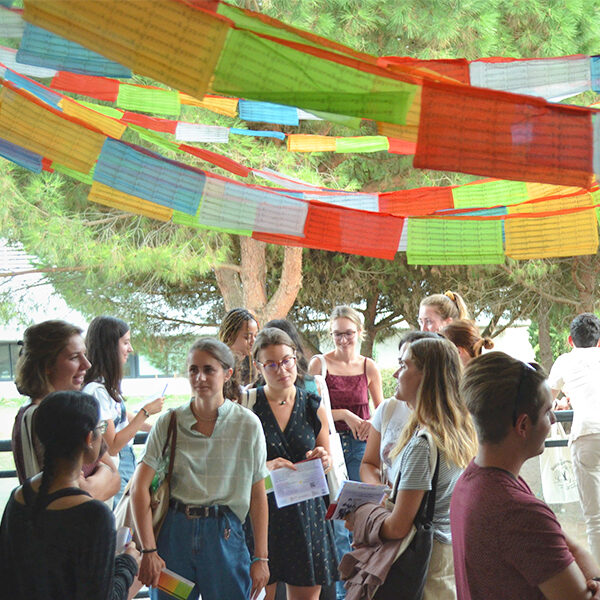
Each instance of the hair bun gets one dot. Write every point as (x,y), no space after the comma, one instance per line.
(450,294)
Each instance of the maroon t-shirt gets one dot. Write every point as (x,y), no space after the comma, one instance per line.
(505,541)
(350,392)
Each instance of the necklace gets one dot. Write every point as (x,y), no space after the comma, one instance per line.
(282,402)
(209,420)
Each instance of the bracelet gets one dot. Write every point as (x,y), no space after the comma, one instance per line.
(145,412)
(259,558)
(148,551)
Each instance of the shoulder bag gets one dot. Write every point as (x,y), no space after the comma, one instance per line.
(338,472)
(159,489)
(408,574)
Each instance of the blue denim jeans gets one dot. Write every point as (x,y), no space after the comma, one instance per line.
(198,550)
(126,469)
(353,453)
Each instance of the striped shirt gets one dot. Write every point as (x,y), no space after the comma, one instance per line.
(413,464)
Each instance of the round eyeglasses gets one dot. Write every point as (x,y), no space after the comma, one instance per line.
(273,365)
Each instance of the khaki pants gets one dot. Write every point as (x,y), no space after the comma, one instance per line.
(440,577)
(585,452)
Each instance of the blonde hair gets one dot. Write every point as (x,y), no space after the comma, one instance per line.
(347,312)
(465,334)
(439,407)
(449,305)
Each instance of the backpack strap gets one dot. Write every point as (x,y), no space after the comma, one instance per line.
(429,496)
(172,436)
(387,414)
(29,495)
(323,365)
(248,399)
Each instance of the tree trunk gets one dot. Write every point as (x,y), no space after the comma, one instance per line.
(230,286)
(546,357)
(585,273)
(246,285)
(290,283)
(253,275)
(370,314)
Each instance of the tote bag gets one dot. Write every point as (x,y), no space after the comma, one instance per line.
(159,491)
(556,467)
(338,472)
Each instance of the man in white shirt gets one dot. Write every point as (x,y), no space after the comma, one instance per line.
(577,375)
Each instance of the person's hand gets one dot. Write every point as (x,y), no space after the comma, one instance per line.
(259,573)
(354,422)
(562,404)
(280,463)
(320,452)
(132,550)
(155,406)
(594,587)
(349,521)
(363,430)
(151,566)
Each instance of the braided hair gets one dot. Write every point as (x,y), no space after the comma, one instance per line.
(62,422)
(228,332)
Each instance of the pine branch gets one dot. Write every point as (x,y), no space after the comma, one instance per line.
(538,290)
(46,270)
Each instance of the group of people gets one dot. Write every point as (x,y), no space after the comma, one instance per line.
(459,435)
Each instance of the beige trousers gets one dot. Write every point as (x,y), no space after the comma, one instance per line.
(440,577)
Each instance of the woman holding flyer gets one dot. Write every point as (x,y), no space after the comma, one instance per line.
(108,341)
(218,478)
(301,544)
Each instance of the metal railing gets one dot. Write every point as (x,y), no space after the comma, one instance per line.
(563,416)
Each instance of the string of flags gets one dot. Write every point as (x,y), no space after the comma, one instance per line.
(448,114)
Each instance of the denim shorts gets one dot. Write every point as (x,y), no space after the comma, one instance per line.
(353,453)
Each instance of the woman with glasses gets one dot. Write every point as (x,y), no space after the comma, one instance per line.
(53,358)
(301,544)
(109,345)
(55,540)
(350,379)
